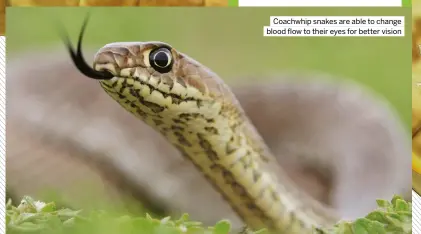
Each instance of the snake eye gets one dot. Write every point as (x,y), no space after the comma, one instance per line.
(161,59)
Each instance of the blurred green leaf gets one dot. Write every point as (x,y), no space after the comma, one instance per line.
(390,218)
(222,227)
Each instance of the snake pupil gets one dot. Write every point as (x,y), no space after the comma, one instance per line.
(161,59)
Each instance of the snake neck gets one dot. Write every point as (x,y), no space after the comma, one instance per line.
(225,147)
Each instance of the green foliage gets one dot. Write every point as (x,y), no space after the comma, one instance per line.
(39,217)
(390,218)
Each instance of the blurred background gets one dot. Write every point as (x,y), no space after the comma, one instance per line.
(416,94)
(416,113)
(117,3)
(69,142)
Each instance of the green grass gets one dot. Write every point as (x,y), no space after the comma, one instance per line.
(38,217)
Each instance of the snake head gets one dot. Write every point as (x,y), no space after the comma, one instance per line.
(148,78)
(155,76)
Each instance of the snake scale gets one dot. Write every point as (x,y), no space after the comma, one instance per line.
(198,114)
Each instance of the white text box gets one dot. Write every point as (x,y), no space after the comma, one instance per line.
(319,3)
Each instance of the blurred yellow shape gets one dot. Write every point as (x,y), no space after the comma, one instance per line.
(118,2)
(216,2)
(108,2)
(416,94)
(23,3)
(416,118)
(416,163)
(44,2)
(2,17)
(172,3)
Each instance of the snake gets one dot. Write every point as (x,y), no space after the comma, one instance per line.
(197,113)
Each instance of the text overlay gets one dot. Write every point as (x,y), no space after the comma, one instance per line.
(331,26)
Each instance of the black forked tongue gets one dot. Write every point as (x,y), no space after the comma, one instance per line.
(79,61)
